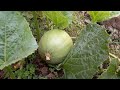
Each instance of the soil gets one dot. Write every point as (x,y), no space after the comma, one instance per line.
(1,74)
(44,70)
(113,28)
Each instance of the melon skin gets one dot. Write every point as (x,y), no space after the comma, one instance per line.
(54,46)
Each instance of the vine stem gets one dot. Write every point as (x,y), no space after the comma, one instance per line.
(114,56)
(47,22)
(36,25)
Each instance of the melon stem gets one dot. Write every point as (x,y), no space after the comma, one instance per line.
(47,55)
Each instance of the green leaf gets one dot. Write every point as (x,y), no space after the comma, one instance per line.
(16,39)
(98,16)
(57,18)
(114,13)
(90,50)
(111,72)
(69,15)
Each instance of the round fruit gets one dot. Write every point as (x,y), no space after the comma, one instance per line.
(54,46)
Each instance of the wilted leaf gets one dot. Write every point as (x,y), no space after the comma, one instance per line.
(16,39)
(90,50)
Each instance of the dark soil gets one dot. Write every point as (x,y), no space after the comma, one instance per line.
(44,70)
(1,74)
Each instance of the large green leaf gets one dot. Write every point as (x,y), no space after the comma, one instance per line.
(16,39)
(58,18)
(90,50)
(111,72)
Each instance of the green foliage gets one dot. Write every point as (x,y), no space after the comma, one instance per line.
(90,50)
(98,16)
(60,19)
(111,72)
(16,39)
(114,13)
(69,15)
(27,72)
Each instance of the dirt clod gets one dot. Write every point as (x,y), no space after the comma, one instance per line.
(44,70)
(50,76)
